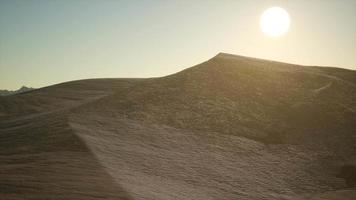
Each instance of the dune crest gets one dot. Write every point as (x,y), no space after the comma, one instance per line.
(232,127)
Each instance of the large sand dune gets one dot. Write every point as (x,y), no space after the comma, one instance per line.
(230,128)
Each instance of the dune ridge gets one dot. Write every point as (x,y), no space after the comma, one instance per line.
(232,127)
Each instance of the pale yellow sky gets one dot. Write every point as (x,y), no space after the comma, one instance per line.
(47,42)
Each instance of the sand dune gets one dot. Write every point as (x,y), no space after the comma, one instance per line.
(229,128)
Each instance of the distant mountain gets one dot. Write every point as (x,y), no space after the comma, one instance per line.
(232,127)
(12,92)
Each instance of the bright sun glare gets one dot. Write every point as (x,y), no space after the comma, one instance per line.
(274,21)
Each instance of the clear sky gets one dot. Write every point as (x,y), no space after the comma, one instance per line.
(43,42)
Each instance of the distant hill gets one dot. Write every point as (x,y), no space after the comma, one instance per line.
(232,127)
(12,92)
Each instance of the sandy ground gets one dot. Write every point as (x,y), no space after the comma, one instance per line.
(229,128)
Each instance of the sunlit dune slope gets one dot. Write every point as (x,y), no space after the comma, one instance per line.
(230,128)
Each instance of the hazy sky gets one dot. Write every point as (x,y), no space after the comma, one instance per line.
(46,42)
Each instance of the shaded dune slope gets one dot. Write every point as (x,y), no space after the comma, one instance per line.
(44,159)
(40,155)
(230,128)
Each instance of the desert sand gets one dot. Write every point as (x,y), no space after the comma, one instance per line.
(232,127)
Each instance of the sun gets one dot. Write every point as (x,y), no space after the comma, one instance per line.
(275,21)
